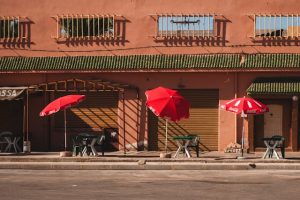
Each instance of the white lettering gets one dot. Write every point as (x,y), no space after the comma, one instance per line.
(3,93)
(14,93)
(8,93)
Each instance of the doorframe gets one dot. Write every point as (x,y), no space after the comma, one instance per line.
(293,132)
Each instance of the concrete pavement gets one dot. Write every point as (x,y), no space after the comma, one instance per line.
(146,160)
(149,184)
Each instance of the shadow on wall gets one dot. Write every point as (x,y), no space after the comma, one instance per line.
(99,113)
(132,124)
(276,41)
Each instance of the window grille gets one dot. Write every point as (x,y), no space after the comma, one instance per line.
(85,26)
(185,25)
(9,27)
(277,26)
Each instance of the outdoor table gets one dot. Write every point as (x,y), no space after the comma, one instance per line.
(271,144)
(89,141)
(183,142)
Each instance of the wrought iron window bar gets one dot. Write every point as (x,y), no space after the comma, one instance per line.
(10,28)
(276,26)
(172,30)
(85,26)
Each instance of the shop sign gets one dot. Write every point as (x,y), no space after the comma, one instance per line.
(10,93)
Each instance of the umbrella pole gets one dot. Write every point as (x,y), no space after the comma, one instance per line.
(243,115)
(65,130)
(24,122)
(166,144)
(27,103)
(243,133)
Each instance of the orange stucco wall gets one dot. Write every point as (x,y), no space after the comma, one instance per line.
(140,26)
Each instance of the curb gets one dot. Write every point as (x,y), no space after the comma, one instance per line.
(147,166)
(148,160)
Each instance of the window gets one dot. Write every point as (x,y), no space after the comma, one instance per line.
(9,27)
(82,26)
(277,25)
(185,26)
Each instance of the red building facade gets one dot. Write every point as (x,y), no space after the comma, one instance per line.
(114,50)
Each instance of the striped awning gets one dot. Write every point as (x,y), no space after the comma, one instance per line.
(275,85)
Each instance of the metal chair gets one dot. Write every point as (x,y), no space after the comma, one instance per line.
(281,144)
(100,142)
(195,143)
(77,145)
(3,139)
(90,146)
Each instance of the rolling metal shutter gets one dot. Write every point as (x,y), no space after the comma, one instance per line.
(98,110)
(203,121)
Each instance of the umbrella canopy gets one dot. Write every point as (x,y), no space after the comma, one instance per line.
(62,103)
(245,106)
(167,104)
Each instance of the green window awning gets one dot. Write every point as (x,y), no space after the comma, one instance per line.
(275,85)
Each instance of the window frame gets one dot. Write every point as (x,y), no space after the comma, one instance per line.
(270,22)
(167,30)
(85,26)
(6,33)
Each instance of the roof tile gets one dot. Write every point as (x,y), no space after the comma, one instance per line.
(152,62)
(275,85)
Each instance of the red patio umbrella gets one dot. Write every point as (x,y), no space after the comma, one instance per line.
(167,104)
(62,103)
(244,106)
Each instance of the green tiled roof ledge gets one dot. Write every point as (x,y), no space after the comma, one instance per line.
(153,62)
(275,85)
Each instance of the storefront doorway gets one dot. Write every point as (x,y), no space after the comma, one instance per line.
(11,117)
(275,122)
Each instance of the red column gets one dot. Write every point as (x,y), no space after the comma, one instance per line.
(295,127)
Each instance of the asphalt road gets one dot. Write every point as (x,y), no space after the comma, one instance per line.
(175,184)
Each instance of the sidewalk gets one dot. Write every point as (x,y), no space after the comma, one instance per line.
(147,160)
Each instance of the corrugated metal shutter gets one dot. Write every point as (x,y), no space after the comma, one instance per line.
(203,121)
(98,110)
